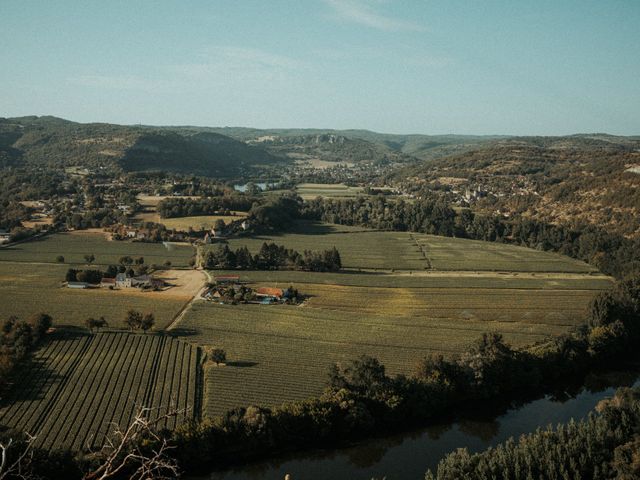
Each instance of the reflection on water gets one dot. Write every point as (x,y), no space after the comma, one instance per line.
(408,455)
(260,185)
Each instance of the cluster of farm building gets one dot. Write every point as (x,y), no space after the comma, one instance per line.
(123,280)
(228,289)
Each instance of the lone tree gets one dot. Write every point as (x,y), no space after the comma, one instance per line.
(147,322)
(217,355)
(40,323)
(90,258)
(92,323)
(133,319)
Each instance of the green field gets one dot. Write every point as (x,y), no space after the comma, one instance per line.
(74,246)
(280,353)
(197,222)
(400,297)
(78,385)
(26,289)
(366,249)
(309,191)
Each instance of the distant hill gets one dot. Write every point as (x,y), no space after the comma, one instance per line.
(60,143)
(402,147)
(572,180)
(330,147)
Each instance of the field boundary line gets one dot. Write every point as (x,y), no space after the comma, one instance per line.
(180,315)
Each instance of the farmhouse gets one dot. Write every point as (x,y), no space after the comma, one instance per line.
(123,280)
(4,236)
(77,285)
(269,294)
(107,282)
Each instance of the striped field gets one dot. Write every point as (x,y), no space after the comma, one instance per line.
(78,385)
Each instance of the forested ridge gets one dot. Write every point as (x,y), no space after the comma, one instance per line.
(573,181)
(53,142)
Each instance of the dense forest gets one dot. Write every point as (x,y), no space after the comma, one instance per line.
(604,446)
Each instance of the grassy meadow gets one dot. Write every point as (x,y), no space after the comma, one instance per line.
(27,289)
(31,280)
(75,245)
(309,191)
(368,249)
(198,222)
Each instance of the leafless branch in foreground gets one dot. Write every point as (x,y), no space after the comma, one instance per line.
(20,467)
(123,452)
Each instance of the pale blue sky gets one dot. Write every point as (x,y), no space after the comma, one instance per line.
(421,66)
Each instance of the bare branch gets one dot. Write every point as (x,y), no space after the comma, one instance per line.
(122,452)
(20,468)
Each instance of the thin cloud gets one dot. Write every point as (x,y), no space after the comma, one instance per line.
(363,13)
(224,62)
(119,82)
(214,65)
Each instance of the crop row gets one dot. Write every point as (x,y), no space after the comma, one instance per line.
(79,386)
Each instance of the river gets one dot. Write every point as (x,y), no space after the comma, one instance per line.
(409,455)
(260,185)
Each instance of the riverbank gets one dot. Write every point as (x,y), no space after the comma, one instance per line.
(409,455)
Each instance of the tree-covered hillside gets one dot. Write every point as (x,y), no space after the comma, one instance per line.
(575,181)
(53,142)
(425,147)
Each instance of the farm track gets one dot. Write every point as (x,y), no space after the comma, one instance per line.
(92,381)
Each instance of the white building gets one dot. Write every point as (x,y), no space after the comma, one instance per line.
(123,280)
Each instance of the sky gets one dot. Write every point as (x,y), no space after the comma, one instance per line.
(511,67)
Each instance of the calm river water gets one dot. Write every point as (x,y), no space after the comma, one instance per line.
(409,455)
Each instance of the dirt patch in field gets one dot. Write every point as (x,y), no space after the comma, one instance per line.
(91,232)
(184,282)
(149,217)
(35,223)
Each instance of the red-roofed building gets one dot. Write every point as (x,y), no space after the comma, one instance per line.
(269,292)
